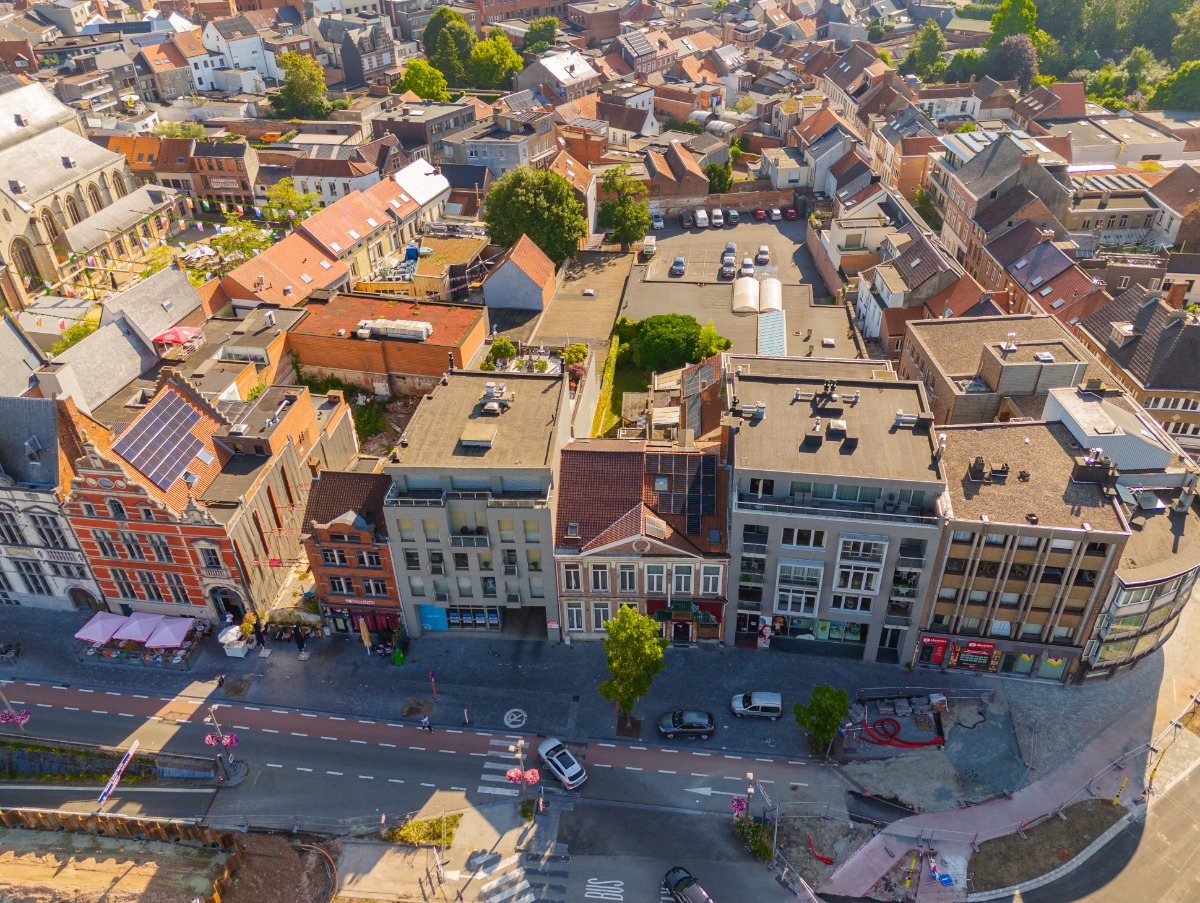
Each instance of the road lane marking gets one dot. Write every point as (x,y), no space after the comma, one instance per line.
(298,734)
(631,768)
(123,790)
(731,777)
(452,752)
(395,780)
(82,690)
(418,748)
(363,742)
(462,789)
(364,721)
(601,765)
(392,745)
(478,754)
(499,765)
(497,791)
(664,771)
(252,708)
(336,718)
(338,773)
(106,692)
(482,734)
(267,730)
(790,762)
(733,757)
(642,748)
(273,765)
(281,711)
(71,708)
(764,760)
(241,727)
(423,784)
(307,715)
(701,754)
(451,730)
(366,777)
(394,725)
(697,774)
(609,745)
(124,715)
(30,684)
(94,711)
(496,778)
(140,696)
(302,768)
(669,751)
(328,738)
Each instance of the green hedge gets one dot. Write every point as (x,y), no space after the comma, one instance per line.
(607,372)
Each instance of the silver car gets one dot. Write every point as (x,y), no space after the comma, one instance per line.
(561,763)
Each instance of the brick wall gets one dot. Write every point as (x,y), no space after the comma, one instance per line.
(829,274)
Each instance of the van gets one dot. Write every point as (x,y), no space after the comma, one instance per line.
(648,246)
(701,218)
(718,218)
(757,705)
(269,137)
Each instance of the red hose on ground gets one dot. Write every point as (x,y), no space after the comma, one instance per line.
(824,859)
(889,728)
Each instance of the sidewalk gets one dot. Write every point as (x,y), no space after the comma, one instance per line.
(491,848)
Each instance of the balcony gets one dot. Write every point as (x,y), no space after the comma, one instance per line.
(831,509)
(396,498)
(896,620)
(471,541)
(910,564)
(754,548)
(215,573)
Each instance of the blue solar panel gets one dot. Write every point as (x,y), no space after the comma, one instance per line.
(772,334)
(160,443)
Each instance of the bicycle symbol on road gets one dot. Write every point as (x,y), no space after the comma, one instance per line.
(515,718)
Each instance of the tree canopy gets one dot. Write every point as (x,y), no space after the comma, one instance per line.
(1015,59)
(303,93)
(180,130)
(494,63)
(720,178)
(669,341)
(542,32)
(423,80)
(924,58)
(822,717)
(439,20)
(1180,90)
(447,60)
(635,655)
(286,204)
(537,203)
(238,241)
(625,211)
(73,335)
(1014,17)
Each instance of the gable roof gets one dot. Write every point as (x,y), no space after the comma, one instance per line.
(29,440)
(991,166)
(154,305)
(1180,190)
(291,270)
(333,493)
(1007,247)
(1072,101)
(1165,345)
(595,491)
(106,361)
(530,260)
(960,296)
(1037,267)
(1007,206)
(20,354)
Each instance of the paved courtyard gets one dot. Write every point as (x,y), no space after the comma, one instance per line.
(790,261)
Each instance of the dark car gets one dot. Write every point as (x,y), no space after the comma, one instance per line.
(760,214)
(685,220)
(686,723)
(684,887)
(732,217)
(679,266)
(789,213)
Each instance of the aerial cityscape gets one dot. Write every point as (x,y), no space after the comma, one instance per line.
(655,450)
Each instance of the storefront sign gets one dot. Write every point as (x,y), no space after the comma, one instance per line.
(975,656)
(223,182)
(939,644)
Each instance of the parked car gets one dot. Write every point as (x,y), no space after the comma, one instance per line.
(656,222)
(728,266)
(763,255)
(790,213)
(747,268)
(685,723)
(757,705)
(561,763)
(776,214)
(685,220)
(701,218)
(718,218)
(679,266)
(732,217)
(760,214)
(684,887)
(731,249)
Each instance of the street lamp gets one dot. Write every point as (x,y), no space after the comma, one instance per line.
(226,741)
(520,775)
(9,715)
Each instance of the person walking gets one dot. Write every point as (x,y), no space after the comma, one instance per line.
(425,725)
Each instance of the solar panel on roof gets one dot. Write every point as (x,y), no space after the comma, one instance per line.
(160,443)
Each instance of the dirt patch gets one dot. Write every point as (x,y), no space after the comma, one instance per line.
(397,413)
(416,708)
(236,688)
(831,837)
(275,870)
(1051,842)
(51,867)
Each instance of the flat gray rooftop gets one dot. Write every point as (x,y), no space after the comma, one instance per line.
(1161,544)
(1043,451)
(521,436)
(883,450)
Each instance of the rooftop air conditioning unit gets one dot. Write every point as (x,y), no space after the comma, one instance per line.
(363,332)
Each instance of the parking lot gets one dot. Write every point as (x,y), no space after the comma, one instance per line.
(790,261)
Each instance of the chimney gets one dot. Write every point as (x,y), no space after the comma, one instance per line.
(1029,159)
(1105,197)
(314,466)
(1175,294)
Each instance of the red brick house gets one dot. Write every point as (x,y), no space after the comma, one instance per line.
(346,540)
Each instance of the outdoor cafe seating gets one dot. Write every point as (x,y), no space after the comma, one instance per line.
(140,639)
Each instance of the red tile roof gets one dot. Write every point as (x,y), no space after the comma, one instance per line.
(530,260)
(291,270)
(597,490)
(346,222)
(1073,102)
(1180,190)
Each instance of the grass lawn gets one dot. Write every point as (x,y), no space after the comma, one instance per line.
(627,378)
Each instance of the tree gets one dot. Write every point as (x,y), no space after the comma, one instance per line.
(924,57)
(875,32)
(625,212)
(445,59)
(886,56)
(74,334)
(1015,58)
(192,130)
(423,80)
(668,341)
(927,209)
(683,125)
(285,204)
(238,241)
(1186,45)
(964,64)
(1012,18)
(438,21)
(709,343)
(303,93)
(822,717)
(575,354)
(635,656)
(537,203)
(720,178)
(493,62)
(502,349)
(1180,90)
(543,32)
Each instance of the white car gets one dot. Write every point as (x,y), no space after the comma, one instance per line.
(717,218)
(561,763)
(763,255)
(656,222)
(747,267)
(776,214)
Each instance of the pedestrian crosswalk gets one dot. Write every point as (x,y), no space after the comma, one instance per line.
(499,760)
(519,878)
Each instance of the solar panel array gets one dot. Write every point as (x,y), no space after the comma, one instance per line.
(691,486)
(1112,182)
(160,443)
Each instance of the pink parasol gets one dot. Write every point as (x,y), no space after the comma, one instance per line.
(101,627)
(170,634)
(138,627)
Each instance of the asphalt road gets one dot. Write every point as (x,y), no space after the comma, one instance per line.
(1157,861)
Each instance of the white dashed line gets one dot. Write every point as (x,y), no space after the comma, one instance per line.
(664,771)
(765,781)
(366,777)
(389,724)
(364,721)
(395,781)
(609,745)
(363,742)
(697,774)
(731,777)
(307,715)
(451,730)
(463,789)
(302,768)
(267,730)
(391,745)
(94,711)
(71,708)
(338,773)
(764,760)
(418,748)
(452,752)
(82,690)
(273,765)
(241,727)
(423,784)
(140,696)
(631,768)
(642,748)
(251,708)
(701,754)
(672,751)
(482,734)
(790,762)
(124,715)
(281,711)
(106,692)
(601,765)
(58,687)
(478,754)
(336,718)
(732,757)
(329,738)
(298,734)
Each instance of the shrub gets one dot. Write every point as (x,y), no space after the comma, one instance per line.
(502,349)
(541,366)
(487,365)
(756,837)
(428,833)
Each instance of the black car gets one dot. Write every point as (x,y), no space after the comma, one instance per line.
(686,221)
(684,887)
(686,724)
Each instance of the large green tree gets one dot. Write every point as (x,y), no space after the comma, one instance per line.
(1012,18)
(542,33)
(423,80)
(238,241)
(924,57)
(303,93)
(1180,90)
(538,203)
(625,211)
(668,341)
(1015,59)
(287,204)
(635,655)
(439,20)
(822,717)
(720,177)
(452,51)
(493,62)
(1186,45)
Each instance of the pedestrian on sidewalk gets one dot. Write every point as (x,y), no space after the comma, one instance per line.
(299,636)
(425,725)
(260,635)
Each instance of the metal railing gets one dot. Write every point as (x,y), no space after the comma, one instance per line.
(751,503)
(470,542)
